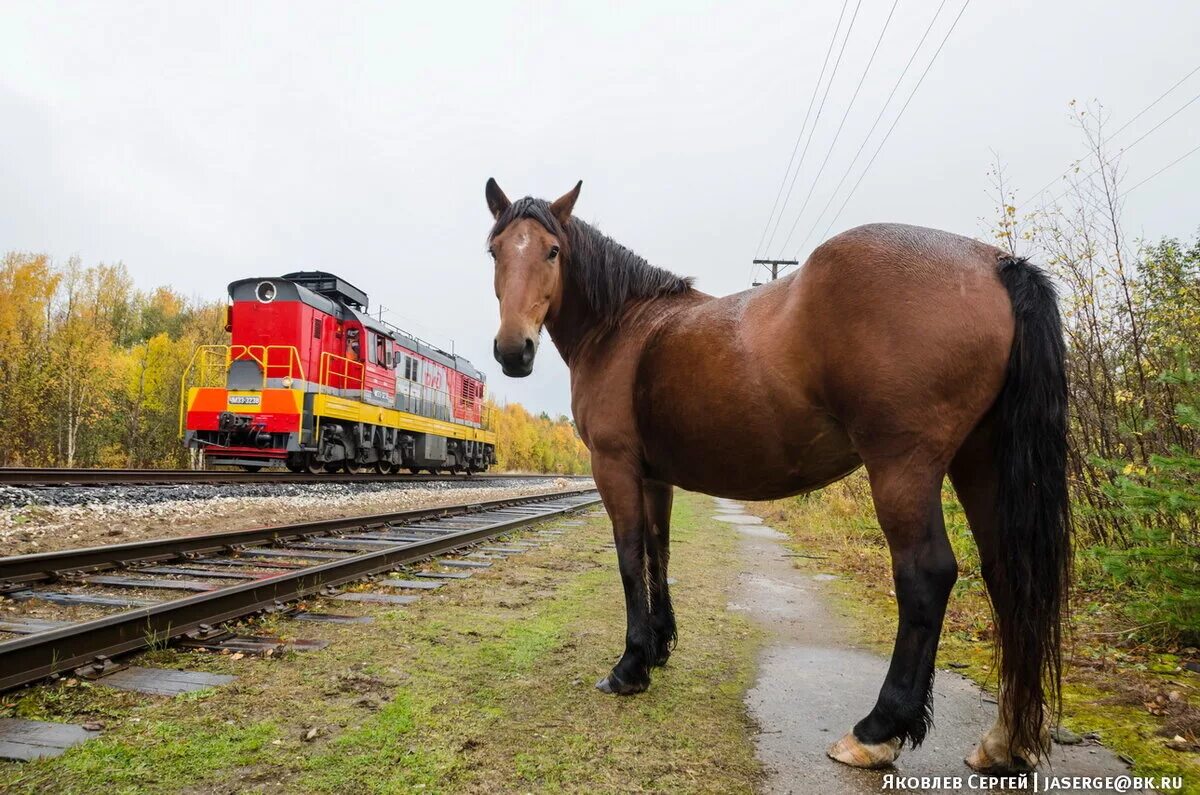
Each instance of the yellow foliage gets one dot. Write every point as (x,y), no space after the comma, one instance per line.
(526,443)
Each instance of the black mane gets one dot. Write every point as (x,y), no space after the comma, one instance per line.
(606,273)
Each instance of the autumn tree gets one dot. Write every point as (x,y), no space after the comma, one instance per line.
(27,284)
(525,443)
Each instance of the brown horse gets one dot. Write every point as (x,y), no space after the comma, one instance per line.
(911,352)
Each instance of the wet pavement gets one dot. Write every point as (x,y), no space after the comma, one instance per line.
(814,683)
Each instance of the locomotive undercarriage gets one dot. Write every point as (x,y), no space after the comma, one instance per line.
(356,445)
(343,446)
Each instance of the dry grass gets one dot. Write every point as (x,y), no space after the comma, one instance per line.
(1136,697)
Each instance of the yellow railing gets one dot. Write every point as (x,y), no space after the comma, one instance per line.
(339,372)
(268,357)
(209,367)
(487,417)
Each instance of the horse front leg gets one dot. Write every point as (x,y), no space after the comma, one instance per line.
(658,498)
(620,485)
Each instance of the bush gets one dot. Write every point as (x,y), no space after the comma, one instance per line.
(1160,567)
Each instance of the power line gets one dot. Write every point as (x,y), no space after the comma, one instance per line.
(1135,142)
(899,115)
(1179,159)
(1122,128)
(800,135)
(841,124)
(820,108)
(874,124)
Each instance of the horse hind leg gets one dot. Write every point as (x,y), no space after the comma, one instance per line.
(908,504)
(973,473)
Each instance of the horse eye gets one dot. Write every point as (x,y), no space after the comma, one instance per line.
(553,252)
(492,253)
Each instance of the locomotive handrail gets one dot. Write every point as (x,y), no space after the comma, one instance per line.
(244,352)
(326,374)
(210,366)
(205,354)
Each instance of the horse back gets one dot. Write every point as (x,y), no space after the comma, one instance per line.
(776,390)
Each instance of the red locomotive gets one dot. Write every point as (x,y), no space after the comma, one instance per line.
(310,381)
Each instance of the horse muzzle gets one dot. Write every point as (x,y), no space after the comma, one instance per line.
(515,361)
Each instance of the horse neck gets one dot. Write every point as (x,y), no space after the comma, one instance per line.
(573,324)
(576,328)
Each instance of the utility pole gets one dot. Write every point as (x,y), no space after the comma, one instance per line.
(774,265)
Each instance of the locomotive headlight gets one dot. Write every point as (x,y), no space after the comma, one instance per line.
(287,382)
(265,292)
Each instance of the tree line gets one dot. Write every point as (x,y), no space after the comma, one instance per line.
(91,369)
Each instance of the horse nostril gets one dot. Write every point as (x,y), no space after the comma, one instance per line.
(527,352)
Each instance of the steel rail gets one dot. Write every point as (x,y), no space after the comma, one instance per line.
(50,565)
(24,477)
(37,656)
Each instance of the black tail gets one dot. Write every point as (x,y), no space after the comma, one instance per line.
(1034,510)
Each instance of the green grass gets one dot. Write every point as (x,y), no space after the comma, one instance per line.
(485,685)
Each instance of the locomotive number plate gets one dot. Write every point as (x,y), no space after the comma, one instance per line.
(244,400)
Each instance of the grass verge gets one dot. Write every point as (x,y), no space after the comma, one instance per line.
(482,686)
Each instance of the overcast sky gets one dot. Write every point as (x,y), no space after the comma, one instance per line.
(205,145)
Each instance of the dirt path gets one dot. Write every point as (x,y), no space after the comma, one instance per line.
(814,683)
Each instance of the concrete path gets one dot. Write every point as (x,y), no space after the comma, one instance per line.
(814,684)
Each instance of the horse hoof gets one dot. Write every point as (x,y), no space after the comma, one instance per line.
(614,686)
(849,751)
(981,761)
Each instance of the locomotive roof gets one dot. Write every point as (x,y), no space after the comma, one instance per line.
(331,286)
(244,290)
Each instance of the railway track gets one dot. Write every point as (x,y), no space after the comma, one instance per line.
(142,477)
(78,608)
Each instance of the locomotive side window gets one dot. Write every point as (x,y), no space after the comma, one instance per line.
(379,351)
(411,368)
(316,328)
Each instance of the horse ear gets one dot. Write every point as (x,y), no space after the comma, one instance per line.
(563,205)
(497,202)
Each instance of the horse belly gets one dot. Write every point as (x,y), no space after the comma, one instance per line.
(743,446)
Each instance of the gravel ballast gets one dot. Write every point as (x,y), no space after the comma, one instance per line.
(48,519)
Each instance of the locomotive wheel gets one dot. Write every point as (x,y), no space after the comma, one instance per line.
(251,468)
(314,465)
(384,468)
